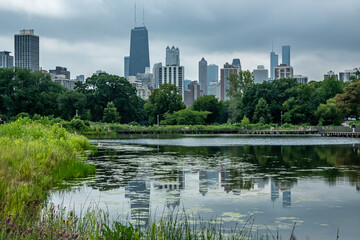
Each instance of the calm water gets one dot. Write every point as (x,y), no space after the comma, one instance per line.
(276,181)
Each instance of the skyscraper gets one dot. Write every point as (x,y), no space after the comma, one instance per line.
(236,63)
(260,74)
(172,56)
(156,68)
(6,61)
(224,81)
(274,61)
(203,75)
(126,66)
(139,51)
(27,50)
(172,75)
(212,73)
(286,55)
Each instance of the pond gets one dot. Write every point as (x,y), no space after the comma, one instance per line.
(272,181)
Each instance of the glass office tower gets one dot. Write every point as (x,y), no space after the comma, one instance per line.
(286,55)
(139,51)
(274,61)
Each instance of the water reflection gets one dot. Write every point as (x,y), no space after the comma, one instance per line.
(273,182)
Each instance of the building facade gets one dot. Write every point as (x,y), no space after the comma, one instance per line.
(172,56)
(212,73)
(80,78)
(331,74)
(6,61)
(345,76)
(156,80)
(60,71)
(172,75)
(126,66)
(215,89)
(203,75)
(283,71)
(192,93)
(274,61)
(236,63)
(286,55)
(260,74)
(139,51)
(301,79)
(224,82)
(27,50)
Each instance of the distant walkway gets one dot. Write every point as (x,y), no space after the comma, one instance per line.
(341,134)
(237,131)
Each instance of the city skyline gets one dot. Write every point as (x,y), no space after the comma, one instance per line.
(96,35)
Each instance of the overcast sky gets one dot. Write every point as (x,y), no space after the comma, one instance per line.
(88,35)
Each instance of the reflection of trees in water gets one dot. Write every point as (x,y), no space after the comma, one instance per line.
(332,159)
(116,168)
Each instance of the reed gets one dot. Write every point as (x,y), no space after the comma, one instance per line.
(33,158)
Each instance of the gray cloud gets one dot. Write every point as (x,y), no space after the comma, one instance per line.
(87,35)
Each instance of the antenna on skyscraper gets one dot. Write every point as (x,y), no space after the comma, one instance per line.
(272,46)
(135,13)
(143,14)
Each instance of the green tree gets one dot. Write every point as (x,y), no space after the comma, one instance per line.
(328,113)
(349,102)
(163,100)
(211,104)
(292,112)
(31,92)
(104,88)
(69,102)
(245,121)
(185,117)
(238,84)
(111,114)
(262,112)
(329,88)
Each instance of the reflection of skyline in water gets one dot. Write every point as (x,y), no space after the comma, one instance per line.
(224,177)
(270,181)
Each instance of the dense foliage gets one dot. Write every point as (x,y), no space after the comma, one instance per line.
(281,101)
(33,157)
(163,100)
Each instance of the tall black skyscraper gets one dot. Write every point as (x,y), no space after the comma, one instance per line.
(139,51)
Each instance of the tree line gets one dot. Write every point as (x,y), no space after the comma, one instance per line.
(110,98)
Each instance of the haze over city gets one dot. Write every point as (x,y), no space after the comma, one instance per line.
(86,36)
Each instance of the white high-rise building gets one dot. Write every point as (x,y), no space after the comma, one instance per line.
(301,79)
(345,76)
(260,74)
(173,75)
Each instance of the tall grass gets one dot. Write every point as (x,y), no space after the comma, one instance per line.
(33,158)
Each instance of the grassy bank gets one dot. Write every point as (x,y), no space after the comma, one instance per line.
(112,129)
(33,158)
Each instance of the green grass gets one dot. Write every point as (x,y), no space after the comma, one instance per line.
(33,158)
(111,129)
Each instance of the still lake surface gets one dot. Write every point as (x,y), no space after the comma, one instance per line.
(273,180)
